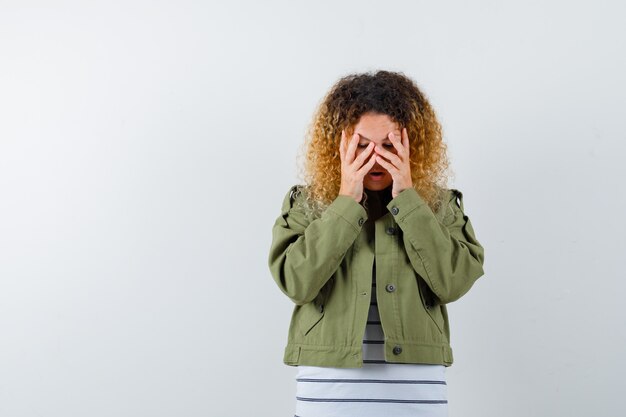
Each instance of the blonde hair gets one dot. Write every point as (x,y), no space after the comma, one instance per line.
(383,92)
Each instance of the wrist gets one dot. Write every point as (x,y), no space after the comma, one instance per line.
(351,195)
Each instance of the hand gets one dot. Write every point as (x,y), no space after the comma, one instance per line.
(352,169)
(397,164)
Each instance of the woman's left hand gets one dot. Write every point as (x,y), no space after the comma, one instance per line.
(397,164)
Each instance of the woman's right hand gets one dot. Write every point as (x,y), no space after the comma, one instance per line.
(353,169)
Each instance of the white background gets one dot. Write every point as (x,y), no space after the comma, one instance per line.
(146,146)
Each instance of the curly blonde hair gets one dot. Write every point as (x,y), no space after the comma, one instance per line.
(383,92)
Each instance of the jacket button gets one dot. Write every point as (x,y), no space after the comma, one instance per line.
(361,221)
(397,350)
(390,288)
(395,210)
(391,230)
(320,308)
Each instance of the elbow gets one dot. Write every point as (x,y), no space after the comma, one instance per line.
(467,282)
(461,280)
(467,273)
(299,301)
(292,285)
(298,295)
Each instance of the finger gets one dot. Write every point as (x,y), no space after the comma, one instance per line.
(392,157)
(342,144)
(358,161)
(352,148)
(368,165)
(388,166)
(395,141)
(405,141)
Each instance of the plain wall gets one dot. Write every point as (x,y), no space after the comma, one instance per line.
(145,148)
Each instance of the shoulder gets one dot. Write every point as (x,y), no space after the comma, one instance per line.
(451,205)
(456,196)
(294,196)
(297,207)
(449,195)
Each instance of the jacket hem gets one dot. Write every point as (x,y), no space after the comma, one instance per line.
(352,357)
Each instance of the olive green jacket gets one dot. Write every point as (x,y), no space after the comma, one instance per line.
(325,266)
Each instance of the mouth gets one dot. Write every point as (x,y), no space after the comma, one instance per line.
(376,175)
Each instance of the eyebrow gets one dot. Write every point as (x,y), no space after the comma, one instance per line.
(386,137)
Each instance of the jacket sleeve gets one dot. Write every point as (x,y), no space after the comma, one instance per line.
(444,252)
(305,254)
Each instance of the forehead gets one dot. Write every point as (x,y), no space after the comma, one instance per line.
(376,127)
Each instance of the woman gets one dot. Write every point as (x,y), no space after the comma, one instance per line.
(370,250)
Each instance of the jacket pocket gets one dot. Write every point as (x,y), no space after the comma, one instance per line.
(311,313)
(430,305)
(309,316)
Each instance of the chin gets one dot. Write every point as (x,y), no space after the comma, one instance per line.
(377,186)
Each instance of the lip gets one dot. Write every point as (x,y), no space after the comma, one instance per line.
(376,177)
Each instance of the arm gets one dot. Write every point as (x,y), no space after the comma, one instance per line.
(305,254)
(445,253)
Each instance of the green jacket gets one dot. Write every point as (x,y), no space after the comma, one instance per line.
(324,265)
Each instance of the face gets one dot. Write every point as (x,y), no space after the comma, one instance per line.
(376,128)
